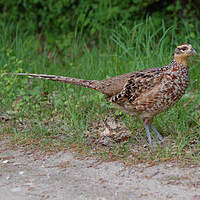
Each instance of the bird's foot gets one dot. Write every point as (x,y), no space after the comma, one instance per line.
(158,135)
(148,134)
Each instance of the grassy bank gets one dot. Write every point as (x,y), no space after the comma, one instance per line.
(54,116)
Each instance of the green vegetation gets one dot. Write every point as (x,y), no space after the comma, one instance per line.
(92,17)
(54,116)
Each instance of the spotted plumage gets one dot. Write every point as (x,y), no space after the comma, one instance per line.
(144,93)
(153,91)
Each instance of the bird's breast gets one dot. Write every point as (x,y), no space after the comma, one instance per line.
(175,81)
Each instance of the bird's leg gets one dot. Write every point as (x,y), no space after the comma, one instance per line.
(148,133)
(158,135)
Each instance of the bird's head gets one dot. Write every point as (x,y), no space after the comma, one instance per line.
(182,52)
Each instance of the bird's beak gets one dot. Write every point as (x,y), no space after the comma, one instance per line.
(193,51)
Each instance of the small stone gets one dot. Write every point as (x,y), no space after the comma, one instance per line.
(17,189)
(21,172)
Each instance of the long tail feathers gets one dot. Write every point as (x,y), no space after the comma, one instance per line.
(75,81)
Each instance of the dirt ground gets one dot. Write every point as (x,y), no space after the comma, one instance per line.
(29,175)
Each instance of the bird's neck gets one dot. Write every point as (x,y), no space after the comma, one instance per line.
(182,60)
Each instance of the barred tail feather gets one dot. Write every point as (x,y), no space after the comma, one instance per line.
(75,81)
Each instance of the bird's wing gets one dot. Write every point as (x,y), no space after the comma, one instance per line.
(138,84)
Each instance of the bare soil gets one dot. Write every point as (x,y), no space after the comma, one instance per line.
(31,175)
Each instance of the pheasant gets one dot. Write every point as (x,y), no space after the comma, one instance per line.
(143,93)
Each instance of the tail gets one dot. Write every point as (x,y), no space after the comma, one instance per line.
(75,81)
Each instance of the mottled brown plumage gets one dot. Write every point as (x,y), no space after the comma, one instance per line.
(145,93)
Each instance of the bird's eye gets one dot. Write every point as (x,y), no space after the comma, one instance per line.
(184,48)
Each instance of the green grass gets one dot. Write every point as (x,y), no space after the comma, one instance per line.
(55,116)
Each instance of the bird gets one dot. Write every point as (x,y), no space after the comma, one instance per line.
(144,93)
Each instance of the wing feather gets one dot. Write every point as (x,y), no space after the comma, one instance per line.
(138,84)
